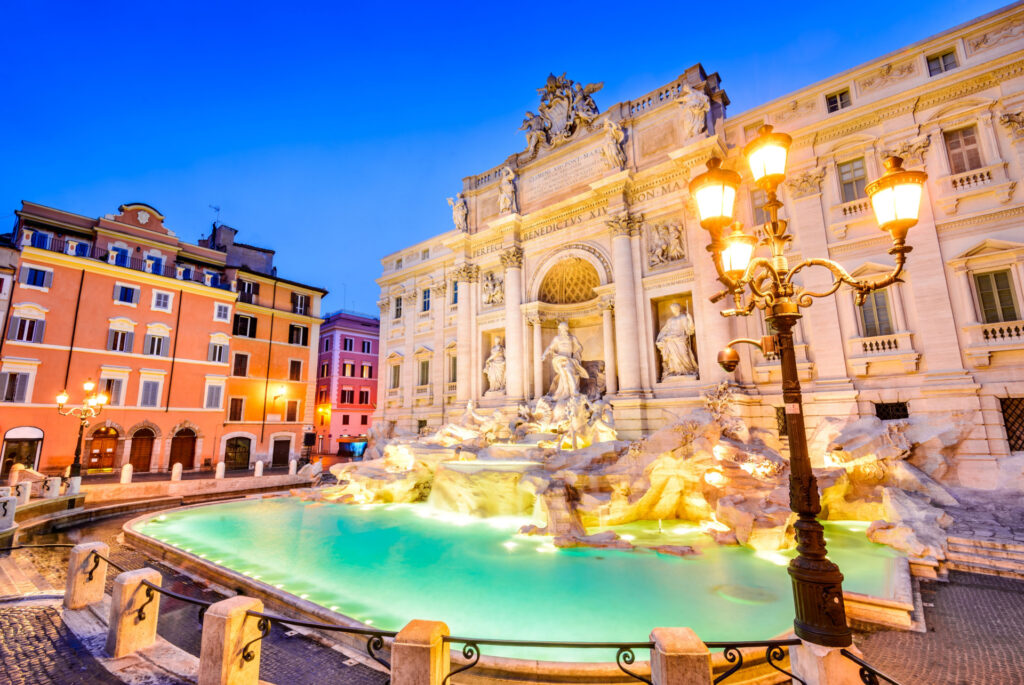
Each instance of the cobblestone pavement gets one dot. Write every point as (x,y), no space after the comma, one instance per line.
(36,647)
(975,635)
(998,516)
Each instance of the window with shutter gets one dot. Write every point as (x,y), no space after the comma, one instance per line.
(235,409)
(13,387)
(213,395)
(995,296)
(112,388)
(874,314)
(241,365)
(292,411)
(853,179)
(295,370)
(963,150)
(150,393)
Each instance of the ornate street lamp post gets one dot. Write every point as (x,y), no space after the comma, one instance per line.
(91,406)
(895,198)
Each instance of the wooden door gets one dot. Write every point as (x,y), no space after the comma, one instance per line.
(142,450)
(281,450)
(183,448)
(102,449)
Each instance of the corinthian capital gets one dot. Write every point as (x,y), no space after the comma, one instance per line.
(625,224)
(512,258)
(468,273)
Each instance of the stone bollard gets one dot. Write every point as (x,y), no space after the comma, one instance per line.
(258,469)
(226,631)
(5,491)
(293,467)
(23,491)
(419,655)
(219,473)
(51,488)
(74,485)
(818,665)
(126,474)
(176,471)
(679,657)
(79,590)
(7,506)
(127,632)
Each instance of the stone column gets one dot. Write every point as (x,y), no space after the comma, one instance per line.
(626,328)
(538,350)
(899,317)
(512,260)
(419,655)
(963,277)
(611,382)
(464,276)
(227,629)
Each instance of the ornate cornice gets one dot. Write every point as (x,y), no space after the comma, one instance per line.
(886,74)
(979,219)
(512,258)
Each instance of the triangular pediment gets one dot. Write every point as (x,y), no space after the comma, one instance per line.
(871,269)
(395,356)
(422,350)
(990,246)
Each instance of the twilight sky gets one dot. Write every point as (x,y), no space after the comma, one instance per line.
(333,132)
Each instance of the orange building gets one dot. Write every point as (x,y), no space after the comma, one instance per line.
(153,320)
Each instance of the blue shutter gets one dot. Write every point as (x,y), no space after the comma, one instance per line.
(110,339)
(22,386)
(12,328)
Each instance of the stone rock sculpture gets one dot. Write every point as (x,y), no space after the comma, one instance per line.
(494,368)
(565,108)
(673,343)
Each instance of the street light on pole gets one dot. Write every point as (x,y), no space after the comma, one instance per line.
(91,406)
(895,199)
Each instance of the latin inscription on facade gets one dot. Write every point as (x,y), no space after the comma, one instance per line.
(564,223)
(567,174)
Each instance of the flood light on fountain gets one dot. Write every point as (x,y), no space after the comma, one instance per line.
(772,557)
(509,545)
(714,525)
(714,478)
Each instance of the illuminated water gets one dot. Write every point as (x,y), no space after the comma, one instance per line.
(386,564)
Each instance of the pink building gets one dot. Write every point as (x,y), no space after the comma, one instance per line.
(346,394)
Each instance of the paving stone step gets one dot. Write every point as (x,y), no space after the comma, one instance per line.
(992,552)
(983,568)
(987,542)
(985,560)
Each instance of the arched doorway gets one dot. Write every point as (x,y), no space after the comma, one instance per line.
(21,446)
(142,450)
(102,448)
(236,453)
(183,448)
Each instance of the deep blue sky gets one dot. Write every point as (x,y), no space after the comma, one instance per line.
(333,132)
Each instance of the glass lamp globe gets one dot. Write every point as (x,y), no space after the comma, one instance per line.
(766,155)
(715,192)
(739,249)
(89,385)
(63,398)
(896,198)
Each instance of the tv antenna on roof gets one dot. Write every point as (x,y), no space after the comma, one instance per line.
(216,219)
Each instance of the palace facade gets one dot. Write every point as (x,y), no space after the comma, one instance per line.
(203,350)
(593,224)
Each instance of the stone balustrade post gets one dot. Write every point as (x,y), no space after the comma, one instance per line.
(227,629)
(679,657)
(818,665)
(219,473)
(258,469)
(419,655)
(127,632)
(79,590)
(293,467)
(176,471)
(51,487)
(23,492)
(126,474)
(74,485)
(7,506)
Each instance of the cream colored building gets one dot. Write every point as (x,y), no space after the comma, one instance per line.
(601,232)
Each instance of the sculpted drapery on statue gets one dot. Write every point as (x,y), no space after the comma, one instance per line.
(674,344)
(565,107)
(494,367)
(695,105)
(507,192)
(460,212)
(493,289)
(612,148)
(565,352)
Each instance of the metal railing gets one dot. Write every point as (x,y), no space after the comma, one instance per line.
(773,652)
(868,674)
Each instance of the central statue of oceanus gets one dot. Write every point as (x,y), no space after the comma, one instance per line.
(566,362)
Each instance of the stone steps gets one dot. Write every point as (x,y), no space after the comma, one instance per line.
(987,556)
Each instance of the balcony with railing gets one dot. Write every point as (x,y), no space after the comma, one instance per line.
(882,354)
(992,181)
(987,339)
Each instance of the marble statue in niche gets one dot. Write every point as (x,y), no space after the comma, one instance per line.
(494,367)
(493,289)
(565,353)
(674,344)
(612,147)
(507,192)
(460,212)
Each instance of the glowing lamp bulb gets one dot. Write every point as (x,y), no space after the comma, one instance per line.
(896,198)
(63,398)
(89,385)
(102,399)
(767,155)
(739,248)
(715,192)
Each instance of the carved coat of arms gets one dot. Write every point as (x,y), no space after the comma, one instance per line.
(565,107)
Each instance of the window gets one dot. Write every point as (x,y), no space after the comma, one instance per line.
(941,63)
(298,335)
(852,179)
(838,101)
(424,372)
(241,365)
(453,369)
(425,254)
(366,347)
(156,345)
(247,291)
(455,292)
(244,326)
(161,301)
(214,393)
(347,396)
(235,405)
(962,149)
(120,256)
(154,264)
(396,376)
(425,306)
(41,240)
(325,370)
(398,308)
(126,294)
(1013,420)
(291,412)
(780,422)
(321,396)
(327,344)
(347,344)
(218,352)
(112,387)
(295,370)
(300,303)
(13,387)
(874,314)
(348,369)
(757,200)
(890,411)
(366,371)
(221,312)
(421,426)
(995,296)
(149,394)
(36,278)
(120,341)
(398,263)
(363,420)
(344,419)
(364,397)
(26,330)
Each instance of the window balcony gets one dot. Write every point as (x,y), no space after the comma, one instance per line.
(990,181)
(422,390)
(986,339)
(450,388)
(843,215)
(768,367)
(882,354)
(394,393)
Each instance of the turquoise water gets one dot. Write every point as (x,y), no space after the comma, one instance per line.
(389,563)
